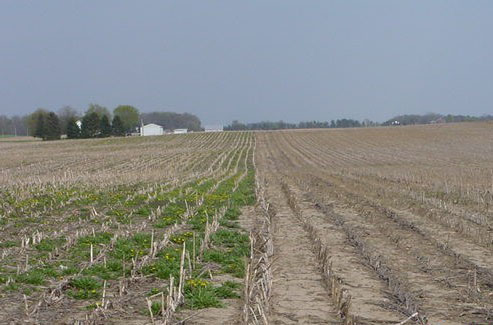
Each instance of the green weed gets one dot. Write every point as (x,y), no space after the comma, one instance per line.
(9,243)
(84,288)
(127,248)
(226,291)
(47,245)
(37,276)
(198,297)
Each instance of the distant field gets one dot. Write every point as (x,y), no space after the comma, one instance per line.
(348,226)
(10,138)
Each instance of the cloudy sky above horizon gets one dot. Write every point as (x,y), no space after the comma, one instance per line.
(249,60)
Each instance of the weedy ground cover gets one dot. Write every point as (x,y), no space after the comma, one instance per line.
(85,225)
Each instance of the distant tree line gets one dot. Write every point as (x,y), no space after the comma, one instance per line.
(280,125)
(409,119)
(96,122)
(15,125)
(125,119)
(432,118)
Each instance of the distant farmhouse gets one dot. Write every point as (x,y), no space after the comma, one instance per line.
(213,128)
(154,129)
(151,129)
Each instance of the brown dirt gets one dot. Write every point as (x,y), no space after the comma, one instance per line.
(227,315)
(298,294)
(393,255)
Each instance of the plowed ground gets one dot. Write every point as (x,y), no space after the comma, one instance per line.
(404,212)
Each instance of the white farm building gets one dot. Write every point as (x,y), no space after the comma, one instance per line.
(213,128)
(180,131)
(151,129)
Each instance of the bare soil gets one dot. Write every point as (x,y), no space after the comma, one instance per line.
(396,253)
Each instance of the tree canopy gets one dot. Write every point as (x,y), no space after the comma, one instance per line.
(47,126)
(105,127)
(52,130)
(90,125)
(65,114)
(99,110)
(73,130)
(129,116)
(117,127)
(32,121)
(39,128)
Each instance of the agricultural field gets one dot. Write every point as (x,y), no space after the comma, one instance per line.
(340,226)
(123,231)
(373,226)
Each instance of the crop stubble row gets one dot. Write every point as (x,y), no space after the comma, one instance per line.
(393,256)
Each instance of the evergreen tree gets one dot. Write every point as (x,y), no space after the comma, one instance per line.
(73,130)
(117,127)
(65,114)
(39,132)
(105,127)
(34,122)
(52,129)
(90,125)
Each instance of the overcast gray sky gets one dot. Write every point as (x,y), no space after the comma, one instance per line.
(249,60)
